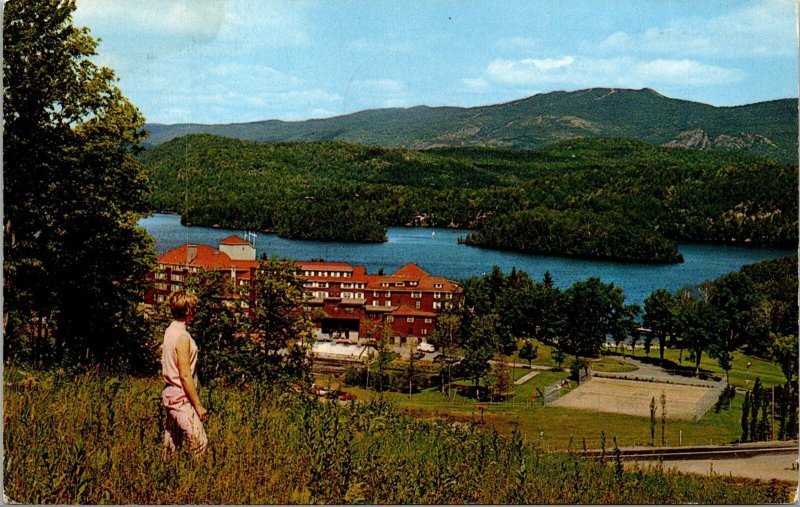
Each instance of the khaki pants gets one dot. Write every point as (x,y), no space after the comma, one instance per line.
(184,423)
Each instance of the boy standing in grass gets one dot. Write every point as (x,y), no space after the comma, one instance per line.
(185,413)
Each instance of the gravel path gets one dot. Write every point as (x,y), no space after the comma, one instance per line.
(653,372)
(526,378)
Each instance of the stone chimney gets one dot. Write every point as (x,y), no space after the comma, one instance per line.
(192,253)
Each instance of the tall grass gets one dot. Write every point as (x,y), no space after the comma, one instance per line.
(89,438)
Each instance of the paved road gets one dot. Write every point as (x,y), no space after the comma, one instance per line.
(764,467)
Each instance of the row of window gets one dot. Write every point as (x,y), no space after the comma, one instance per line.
(331,274)
(164,286)
(163,276)
(415,295)
(354,285)
(400,284)
(390,318)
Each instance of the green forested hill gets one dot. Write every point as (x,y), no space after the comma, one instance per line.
(602,198)
(765,128)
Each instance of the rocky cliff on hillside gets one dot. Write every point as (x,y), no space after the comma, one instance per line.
(698,139)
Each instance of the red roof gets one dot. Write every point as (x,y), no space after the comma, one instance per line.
(407,311)
(234,240)
(205,256)
(358,274)
(411,271)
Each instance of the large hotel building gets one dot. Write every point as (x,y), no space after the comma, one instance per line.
(343,300)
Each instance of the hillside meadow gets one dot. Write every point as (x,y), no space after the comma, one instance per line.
(86,437)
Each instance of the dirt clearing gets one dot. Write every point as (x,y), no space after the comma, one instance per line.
(633,397)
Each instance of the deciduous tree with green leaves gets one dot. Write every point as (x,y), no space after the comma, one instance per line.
(528,352)
(220,327)
(75,259)
(283,331)
(594,309)
(659,318)
(480,344)
(699,323)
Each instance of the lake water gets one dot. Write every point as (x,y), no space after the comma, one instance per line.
(440,254)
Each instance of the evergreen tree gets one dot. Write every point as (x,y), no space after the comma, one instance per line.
(663,419)
(755,405)
(653,421)
(75,259)
(745,418)
(764,421)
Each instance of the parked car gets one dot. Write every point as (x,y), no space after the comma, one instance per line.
(347,397)
(441,358)
(426,347)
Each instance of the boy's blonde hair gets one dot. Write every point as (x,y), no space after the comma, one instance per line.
(179,303)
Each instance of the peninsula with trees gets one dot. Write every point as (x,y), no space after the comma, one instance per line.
(603,198)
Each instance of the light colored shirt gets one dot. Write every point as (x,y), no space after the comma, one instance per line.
(174,395)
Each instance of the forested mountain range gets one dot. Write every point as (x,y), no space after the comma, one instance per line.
(601,198)
(765,128)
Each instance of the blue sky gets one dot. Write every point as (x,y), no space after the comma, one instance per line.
(212,61)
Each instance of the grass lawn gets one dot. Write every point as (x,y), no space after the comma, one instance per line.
(563,427)
(740,375)
(544,354)
(611,364)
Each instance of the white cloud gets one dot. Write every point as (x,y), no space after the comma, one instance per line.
(196,21)
(528,70)
(766,27)
(625,71)
(685,72)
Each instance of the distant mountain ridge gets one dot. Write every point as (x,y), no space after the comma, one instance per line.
(765,128)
